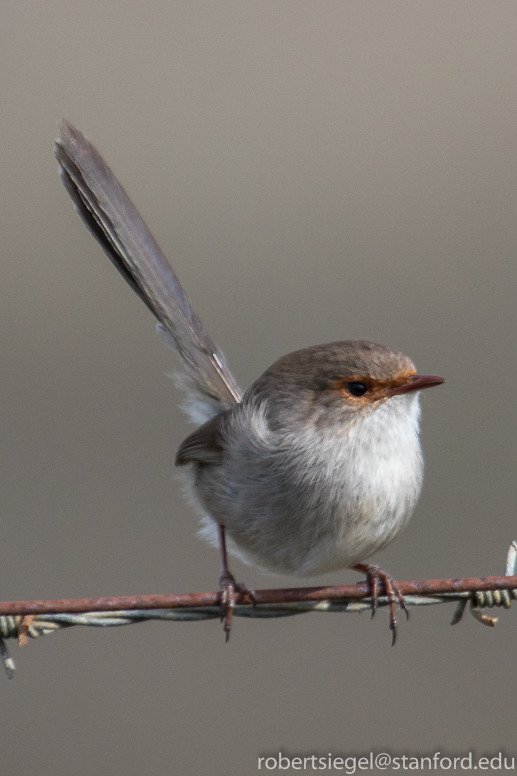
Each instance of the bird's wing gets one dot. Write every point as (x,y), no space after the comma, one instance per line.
(204,445)
(111,217)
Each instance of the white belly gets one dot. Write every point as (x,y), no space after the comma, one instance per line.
(309,505)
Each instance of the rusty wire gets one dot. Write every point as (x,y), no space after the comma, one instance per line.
(29,619)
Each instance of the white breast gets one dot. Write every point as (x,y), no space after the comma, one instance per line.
(307,504)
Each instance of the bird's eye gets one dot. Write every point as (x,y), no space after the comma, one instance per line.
(357,389)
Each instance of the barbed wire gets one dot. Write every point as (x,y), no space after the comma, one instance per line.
(30,619)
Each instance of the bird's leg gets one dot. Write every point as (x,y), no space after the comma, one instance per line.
(375,576)
(230,589)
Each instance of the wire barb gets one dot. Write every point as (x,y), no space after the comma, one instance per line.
(482,599)
(30,619)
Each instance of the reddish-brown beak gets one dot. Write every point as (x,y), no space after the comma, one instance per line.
(417,383)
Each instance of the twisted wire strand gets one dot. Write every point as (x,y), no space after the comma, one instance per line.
(22,627)
(48,623)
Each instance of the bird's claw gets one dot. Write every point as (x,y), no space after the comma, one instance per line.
(375,576)
(231,592)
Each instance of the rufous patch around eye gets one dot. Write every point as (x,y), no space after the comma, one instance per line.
(377,390)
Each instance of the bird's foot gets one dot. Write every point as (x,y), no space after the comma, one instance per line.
(231,592)
(375,576)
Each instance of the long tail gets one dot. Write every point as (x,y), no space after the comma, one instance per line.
(116,224)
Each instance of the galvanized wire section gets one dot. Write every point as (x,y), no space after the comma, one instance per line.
(23,626)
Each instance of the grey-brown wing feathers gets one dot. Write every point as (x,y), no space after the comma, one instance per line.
(204,445)
(116,224)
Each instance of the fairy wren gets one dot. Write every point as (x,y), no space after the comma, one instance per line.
(314,468)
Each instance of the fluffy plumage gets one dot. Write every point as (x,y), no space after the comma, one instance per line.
(319,464)
(304,481)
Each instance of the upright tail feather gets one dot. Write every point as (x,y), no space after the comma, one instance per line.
(116,224)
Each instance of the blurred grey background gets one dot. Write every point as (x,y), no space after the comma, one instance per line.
(314,171)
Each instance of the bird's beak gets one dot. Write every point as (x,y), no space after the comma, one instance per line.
(416,383)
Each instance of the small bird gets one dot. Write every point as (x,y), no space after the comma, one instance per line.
(314,468)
